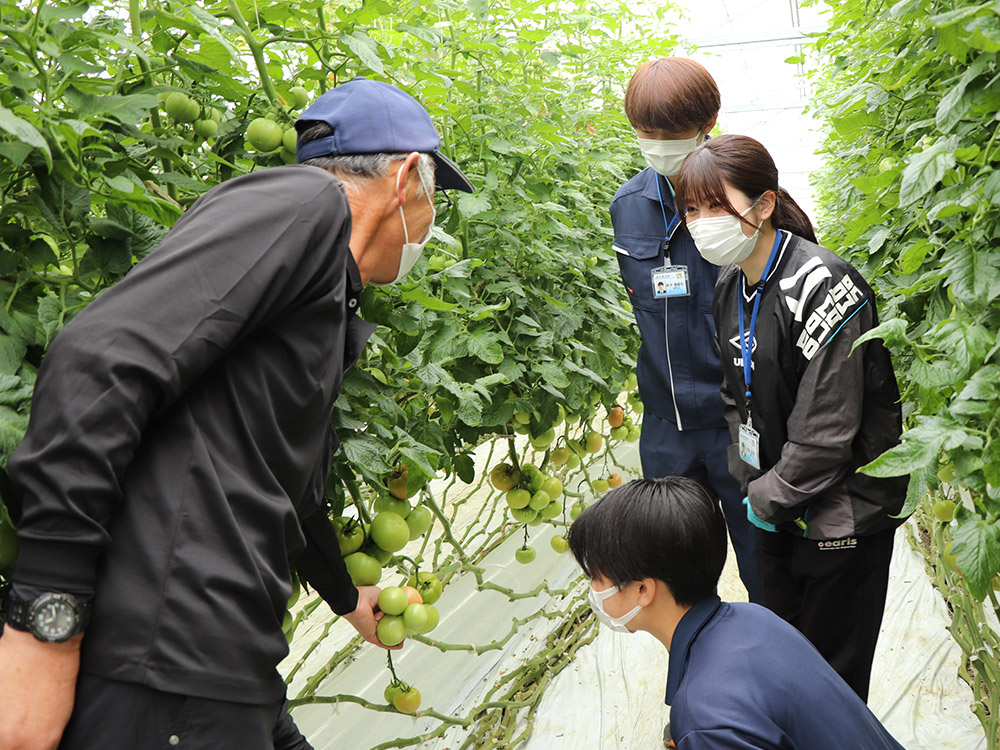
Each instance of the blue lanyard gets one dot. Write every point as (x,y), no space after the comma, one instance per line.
(670,226)
(746,337)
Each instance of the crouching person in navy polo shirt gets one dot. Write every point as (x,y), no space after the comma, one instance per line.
(740,677)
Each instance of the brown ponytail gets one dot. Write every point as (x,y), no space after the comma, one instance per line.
(742,162)
(788,215)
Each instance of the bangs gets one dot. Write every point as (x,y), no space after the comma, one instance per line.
(701,182)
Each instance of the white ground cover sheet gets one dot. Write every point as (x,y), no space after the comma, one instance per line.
(611,697)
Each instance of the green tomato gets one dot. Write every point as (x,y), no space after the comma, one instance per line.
(552,510)
(552,487)
(523,515)
(573,461)
(525,554)
(950,560)
(393,505)
(390,691)
(350,535)
(264,135)
(389,531)
(383,556)
(390,630)
(633,434)
(543,441)
(532,478)
(886,164)
(406,700)
(600,486)
(517,499)
(539,500)
(419,521)
(296,592)
(947,473)
(594,442)
(206,128)
(559,543)
(176,105)
(618,433)
(289,140)
(433,618)
(944,510)
(505,477)
(363,569)
(428,585)
(522,417)
(392,600)
(415,618)
(576,510)
(559,456)
(300,97)
(631,382)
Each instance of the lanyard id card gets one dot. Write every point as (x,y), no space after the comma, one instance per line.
(750,445)
(670,281)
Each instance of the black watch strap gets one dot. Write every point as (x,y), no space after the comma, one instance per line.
(50,617)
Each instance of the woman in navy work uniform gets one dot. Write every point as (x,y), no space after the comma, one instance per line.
(673,103)
(804,410)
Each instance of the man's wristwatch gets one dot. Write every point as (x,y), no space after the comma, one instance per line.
(50,617)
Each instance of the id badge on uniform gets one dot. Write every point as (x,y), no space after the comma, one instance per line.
(750,445)
(670,281)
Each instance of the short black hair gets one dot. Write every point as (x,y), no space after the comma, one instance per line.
(670,528)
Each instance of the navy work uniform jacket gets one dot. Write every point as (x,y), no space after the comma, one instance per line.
(741,677)
(678,368)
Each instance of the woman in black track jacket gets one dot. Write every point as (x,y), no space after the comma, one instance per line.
(804,410)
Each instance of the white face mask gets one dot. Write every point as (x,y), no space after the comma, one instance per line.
(596,599)
(720,239)
(666,157)
(411,250)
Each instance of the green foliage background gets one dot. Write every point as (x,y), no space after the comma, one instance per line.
(527,99)
(524,316)
(911,191)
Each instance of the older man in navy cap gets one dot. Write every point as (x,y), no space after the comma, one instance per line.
(180,441)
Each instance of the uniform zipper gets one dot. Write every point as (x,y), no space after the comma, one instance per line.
(670,369)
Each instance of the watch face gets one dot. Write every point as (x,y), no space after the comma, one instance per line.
(54,617)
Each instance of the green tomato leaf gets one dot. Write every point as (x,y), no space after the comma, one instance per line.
(365,48)
(924,171)
(974,276)
(431,303)
(918,448)
(892,332)
(25,132)
(977,544)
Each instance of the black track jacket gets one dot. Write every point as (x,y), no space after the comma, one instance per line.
(821,411)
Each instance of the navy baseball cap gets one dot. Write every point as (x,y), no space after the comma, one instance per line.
(371,117)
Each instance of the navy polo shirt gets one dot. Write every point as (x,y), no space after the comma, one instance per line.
(741,677)
(678,365)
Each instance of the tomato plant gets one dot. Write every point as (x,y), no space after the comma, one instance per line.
(911,195)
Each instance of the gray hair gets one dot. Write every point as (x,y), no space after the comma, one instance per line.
(355,169)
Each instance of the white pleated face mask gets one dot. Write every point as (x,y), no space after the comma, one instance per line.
(411,250)
(720,239)
(596,599)
(666,157)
